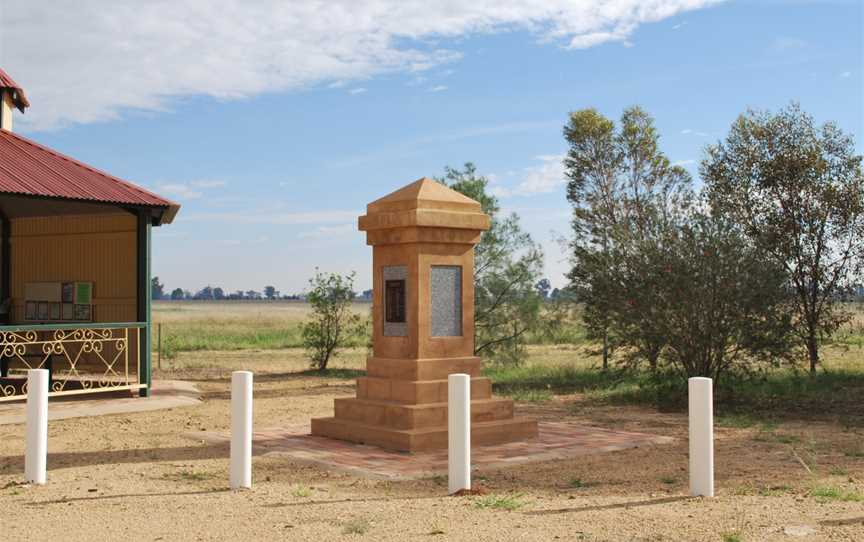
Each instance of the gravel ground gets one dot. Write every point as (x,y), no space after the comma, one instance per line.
(135,477)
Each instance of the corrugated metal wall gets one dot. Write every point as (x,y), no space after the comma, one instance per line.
(95,248)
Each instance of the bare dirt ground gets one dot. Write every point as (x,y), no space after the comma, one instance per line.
(136,477)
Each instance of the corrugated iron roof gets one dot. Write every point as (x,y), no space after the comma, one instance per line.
(18,97)
(31,169)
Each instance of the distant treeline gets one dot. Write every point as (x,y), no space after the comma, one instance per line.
(208,293)
(216,293)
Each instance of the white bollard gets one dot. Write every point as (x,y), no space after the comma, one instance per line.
(241,429)
(458,432)
(701,412)
(36,456)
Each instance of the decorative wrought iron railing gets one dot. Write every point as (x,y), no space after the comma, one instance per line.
(81,358)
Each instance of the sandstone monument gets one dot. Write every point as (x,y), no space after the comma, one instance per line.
(423,238)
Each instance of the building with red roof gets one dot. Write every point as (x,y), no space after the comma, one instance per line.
(75,279)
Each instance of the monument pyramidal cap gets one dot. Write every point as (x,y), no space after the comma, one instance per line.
(422,237)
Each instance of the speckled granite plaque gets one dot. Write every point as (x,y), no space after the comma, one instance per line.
(391,276)
(446,301)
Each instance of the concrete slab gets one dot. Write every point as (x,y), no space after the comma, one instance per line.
(555,441)
(166,394)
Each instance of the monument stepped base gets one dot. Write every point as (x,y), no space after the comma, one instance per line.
(402,405)
(424,439)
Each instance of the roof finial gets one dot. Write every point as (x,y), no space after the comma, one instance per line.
(11,95)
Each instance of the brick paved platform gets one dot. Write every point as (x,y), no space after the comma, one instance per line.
(555,441)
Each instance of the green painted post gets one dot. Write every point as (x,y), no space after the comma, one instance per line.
(145,367)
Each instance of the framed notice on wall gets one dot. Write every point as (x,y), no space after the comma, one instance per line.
(67,301)
(30,310)
(68,292)
(42,311)
(83,313)
(83,293)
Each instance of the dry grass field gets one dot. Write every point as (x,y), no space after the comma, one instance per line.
(789,457)
(231,325)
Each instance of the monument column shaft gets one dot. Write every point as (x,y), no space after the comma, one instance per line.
(422,239)
(419,341)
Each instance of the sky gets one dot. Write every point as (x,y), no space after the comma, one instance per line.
(275,123)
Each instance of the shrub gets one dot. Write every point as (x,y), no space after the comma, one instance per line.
(332,320)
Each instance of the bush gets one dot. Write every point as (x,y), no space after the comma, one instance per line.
(332,321)
(720,305)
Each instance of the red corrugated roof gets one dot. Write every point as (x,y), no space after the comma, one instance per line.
(31,169)
(18,97)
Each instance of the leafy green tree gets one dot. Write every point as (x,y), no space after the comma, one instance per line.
(332,321)
(157,289)
(205,293)
(797,191)
(622,188)
(177,294)
(719,304)
(543,287)
(507,265)
(270,292)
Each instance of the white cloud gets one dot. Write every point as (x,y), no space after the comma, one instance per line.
(179,191)
(208,184)
(782,44)
(359,90)
(439,88)
(328,232)
(543,178)
(92,60)
(690,131)
(236,242)
(584,41)
(679,25)
(275,218)
(190,190)
(846,74)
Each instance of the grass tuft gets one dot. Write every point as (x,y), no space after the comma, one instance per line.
(775,491)
(301,492)
(524,395)
(578,483)
(356,526)
(832,493)
(499,502)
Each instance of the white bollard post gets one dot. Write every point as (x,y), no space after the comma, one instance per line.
(36,456)
(241,429)
(701,413)
(458,432)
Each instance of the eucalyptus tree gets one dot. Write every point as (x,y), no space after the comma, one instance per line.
(507,266)
(719,304)
(622,189)
(797,191)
